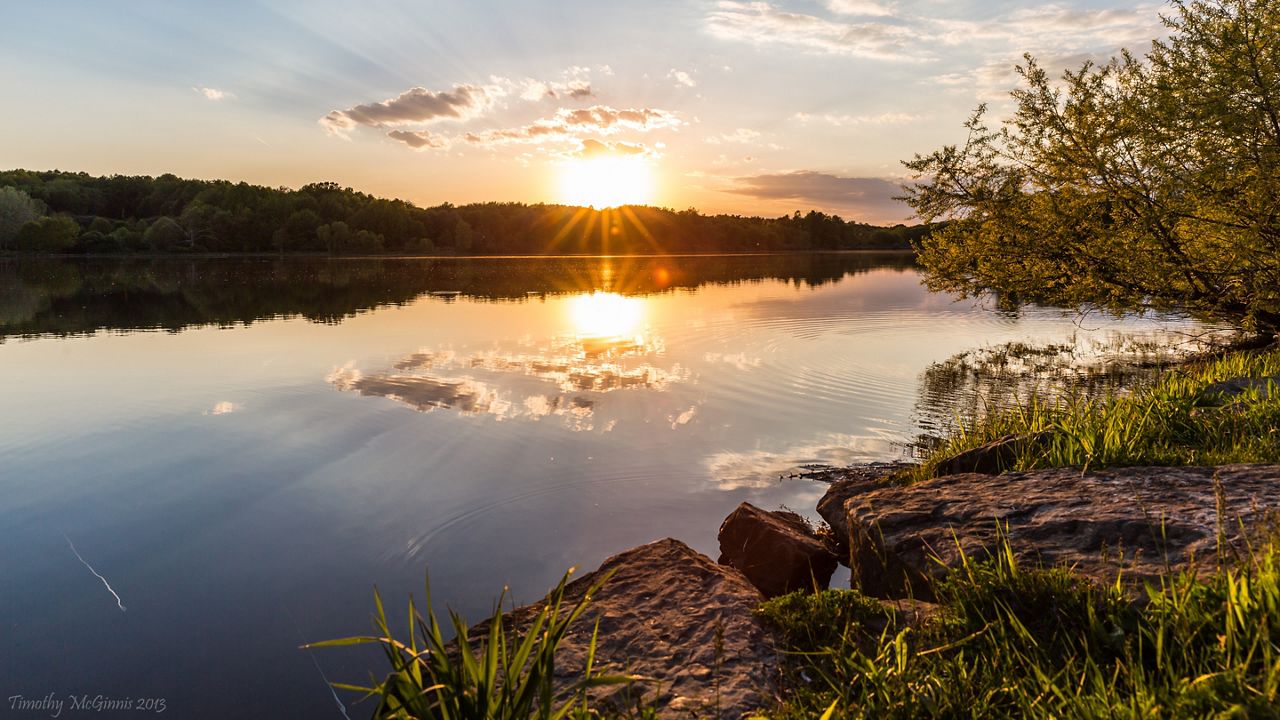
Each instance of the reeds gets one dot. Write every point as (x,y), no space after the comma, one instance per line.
(507,673)
(1176,420)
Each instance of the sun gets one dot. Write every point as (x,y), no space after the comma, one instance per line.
(606,181)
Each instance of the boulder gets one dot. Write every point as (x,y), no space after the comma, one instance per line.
(994,457)
(853,482)
(659,617)
(1228,390)
(777,551)
(1137,523)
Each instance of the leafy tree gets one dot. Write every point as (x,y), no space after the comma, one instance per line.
(334,237)
(16,209)
(55,233)
(1138,184)
(165,234)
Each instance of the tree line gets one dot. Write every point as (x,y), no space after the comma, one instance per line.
(69,212)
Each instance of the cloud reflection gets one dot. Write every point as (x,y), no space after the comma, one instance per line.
(762,468)
(567,377)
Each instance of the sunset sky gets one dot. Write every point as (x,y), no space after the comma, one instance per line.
(746,107)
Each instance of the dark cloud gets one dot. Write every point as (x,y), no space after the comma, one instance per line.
(863,199)
(416,105)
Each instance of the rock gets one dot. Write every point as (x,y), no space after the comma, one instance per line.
(1137,522)
(658,616)
(777,551)
(994,457)
(1228,390)
(855,481)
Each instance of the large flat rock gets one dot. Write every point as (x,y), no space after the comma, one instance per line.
(659,615)
(1137,522)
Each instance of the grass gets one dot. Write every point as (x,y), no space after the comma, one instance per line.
(1013,642)
(1174,420)
(507,674)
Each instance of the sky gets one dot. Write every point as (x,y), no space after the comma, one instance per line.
(754,108)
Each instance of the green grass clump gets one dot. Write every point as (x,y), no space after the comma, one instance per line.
(506,675)
(1176,420)
(1013,642)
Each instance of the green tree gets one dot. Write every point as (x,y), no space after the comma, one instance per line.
(463,236)
(1147,183)
(48,234)
(334,237)
(165,234)
(16,209)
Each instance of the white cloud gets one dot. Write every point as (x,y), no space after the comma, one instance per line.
(761,23)
(224,407)
(682,78)
(853,120)
(860,7)
(740,136)
(213,93)
(1050,30)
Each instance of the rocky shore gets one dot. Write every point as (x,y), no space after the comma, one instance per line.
(690,623)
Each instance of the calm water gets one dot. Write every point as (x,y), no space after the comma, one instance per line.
(243,449)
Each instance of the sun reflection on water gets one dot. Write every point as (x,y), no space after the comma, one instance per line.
(606,315)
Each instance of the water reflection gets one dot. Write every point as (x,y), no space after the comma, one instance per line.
(969,385)
(606,348)
(606,316)
(496,420)
(79,296)
(763,468)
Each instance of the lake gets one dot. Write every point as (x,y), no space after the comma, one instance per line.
(243,449)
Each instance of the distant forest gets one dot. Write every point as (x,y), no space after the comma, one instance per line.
(67,212)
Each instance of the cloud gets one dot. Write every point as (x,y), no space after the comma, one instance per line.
(682,78)
(864,199)
(224,407)
(992,81)
(852,120)
(534,90)
(419,139)
(595,148)
(1044,30)
(761,23)
(416,105)
(763,468)
(1056,29)
(740,136)
(860,7)
(575,83)
(213,93)
(569,124)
